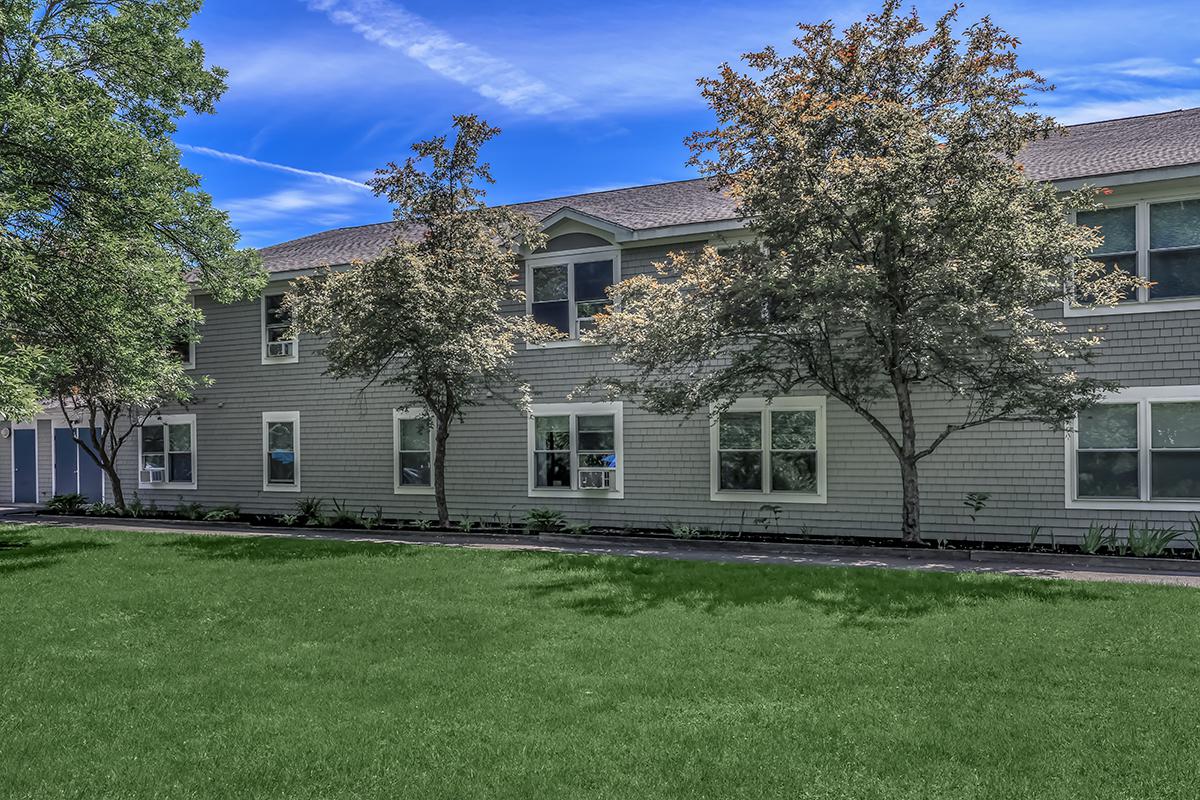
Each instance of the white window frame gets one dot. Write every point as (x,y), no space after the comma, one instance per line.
(164,420)
(815,403)
(1143,397)
(399,414)
(268,418)
(262,330)
(568,258)
(574,411)
(1143,305)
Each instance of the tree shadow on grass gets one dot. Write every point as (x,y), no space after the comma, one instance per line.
(19,552)
(858,597)
(279,550)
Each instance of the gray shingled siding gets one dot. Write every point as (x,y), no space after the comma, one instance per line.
(346,444)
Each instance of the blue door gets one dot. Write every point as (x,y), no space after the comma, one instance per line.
(74,469)
(24,466)
(66,462)
(91,478)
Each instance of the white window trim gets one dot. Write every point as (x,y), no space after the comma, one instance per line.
(399,414)
(574,410)
(262,332)
(12,459)
(167,419)
(569,257)
(806,403)
(269,417)
(1143,305)
(1143,396)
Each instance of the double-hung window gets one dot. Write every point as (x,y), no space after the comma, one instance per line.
(566,291)
(1158,240)
(281,451)
(1139,448)
(413,437)
(167,452)
(576,449)
(770,450)
(277,346)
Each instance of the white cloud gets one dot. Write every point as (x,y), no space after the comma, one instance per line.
(317,205)
(393,27)
(254,162)
(1096,110)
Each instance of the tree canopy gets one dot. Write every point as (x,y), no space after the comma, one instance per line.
(93,199)
(429,315)
(897,246)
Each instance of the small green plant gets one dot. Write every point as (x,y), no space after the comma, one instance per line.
(1150,540)
(291,520)
(342,516)
(467,524)
(311,510)
(102,510)
(544,520)
(223,514)
(1195,523)
(578,529)
(420,524)
(72,503)
(768,516)
(1034,533)
(975,502)
(189,511)
(1094,539)
(135,508)
(681,531)
(372,521)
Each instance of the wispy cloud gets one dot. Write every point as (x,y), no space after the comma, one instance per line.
(319,206)
(254,162)
(392,26)
(1130,87)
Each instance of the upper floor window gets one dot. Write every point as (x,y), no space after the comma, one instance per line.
(770,450)
(1139,448)
(277,347)
(575,448)
(1156,240)
(167,452)
(565,291)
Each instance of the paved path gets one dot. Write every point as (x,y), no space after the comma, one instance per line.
(724,553)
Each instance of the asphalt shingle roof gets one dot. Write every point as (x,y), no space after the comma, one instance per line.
(1089,150)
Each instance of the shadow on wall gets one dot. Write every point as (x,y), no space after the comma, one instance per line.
(860,597)
(19,552)
(280,550)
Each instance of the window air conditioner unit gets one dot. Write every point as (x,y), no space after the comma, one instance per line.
(596,479)
(155,474)
(279,349)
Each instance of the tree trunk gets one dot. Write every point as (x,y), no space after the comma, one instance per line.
(114,481)
(439,470)
(911,527)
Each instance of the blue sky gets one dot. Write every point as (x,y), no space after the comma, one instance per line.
(589,95)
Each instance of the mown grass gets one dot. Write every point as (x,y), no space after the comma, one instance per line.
(143,665)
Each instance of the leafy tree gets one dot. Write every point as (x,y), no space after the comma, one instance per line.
(428,315)
(899,248)
(94,205)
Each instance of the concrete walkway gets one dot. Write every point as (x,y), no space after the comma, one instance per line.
(726,552)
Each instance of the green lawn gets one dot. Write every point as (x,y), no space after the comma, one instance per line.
(141,665)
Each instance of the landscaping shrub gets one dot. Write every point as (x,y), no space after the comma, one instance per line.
(544,520)
(72,503)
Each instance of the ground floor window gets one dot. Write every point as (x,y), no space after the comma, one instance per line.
(281,451)
(770,449)
(575,448)
(167,452)
(1138,446)
(413,440)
